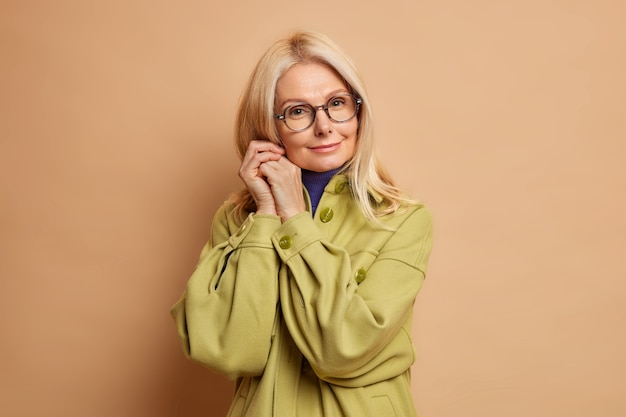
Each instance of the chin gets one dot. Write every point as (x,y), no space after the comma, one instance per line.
(325,167)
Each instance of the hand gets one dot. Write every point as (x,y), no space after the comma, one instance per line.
(258,153)
(285,181)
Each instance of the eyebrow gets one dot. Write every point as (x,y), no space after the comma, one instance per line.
(300,101)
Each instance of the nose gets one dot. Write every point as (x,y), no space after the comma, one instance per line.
(322,123)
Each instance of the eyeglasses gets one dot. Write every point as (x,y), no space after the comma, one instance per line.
(339,109)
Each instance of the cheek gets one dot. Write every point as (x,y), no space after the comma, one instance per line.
(353,135)
(351,130)
(289,153)
(290,144)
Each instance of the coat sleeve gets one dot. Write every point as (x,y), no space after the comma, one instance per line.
(353,334)
(226,314)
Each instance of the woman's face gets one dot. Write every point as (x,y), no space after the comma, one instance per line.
(324,145)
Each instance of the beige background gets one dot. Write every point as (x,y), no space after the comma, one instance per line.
(505,117)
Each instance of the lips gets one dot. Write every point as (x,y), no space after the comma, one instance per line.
(326,148)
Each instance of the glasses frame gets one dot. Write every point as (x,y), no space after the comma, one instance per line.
(357,100)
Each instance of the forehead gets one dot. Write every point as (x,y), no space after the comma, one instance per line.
(307,82)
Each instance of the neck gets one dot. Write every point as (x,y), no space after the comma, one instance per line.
(315,182)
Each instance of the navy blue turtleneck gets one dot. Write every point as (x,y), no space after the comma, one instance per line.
(315,182)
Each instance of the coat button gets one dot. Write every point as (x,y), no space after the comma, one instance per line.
(360,275)
(341,185)
(285,242)
(326,215)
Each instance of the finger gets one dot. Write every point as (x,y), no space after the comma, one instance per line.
(251,166)
(281,171)
(258,153)
(265,146)
(287,164)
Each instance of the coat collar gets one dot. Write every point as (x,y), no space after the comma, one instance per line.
(340,183)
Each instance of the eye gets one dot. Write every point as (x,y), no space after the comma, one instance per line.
(297,112)
(337,102)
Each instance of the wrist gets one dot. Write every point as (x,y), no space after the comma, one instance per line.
(266,210)
(286,215)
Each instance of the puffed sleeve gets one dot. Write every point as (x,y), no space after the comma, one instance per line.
(226,314)
(354,334)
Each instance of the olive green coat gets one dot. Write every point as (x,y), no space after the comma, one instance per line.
(269,302)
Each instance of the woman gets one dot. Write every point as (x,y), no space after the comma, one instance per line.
(304,293)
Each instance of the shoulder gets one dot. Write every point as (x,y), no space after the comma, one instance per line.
(225,220)
(408,214)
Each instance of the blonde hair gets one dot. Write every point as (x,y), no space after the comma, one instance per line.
(255,120)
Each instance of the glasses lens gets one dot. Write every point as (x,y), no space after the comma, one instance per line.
(341,108)
(299,117)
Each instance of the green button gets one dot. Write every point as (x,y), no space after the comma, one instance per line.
(285,242)
(360,275)
(326,215)
(341,185)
